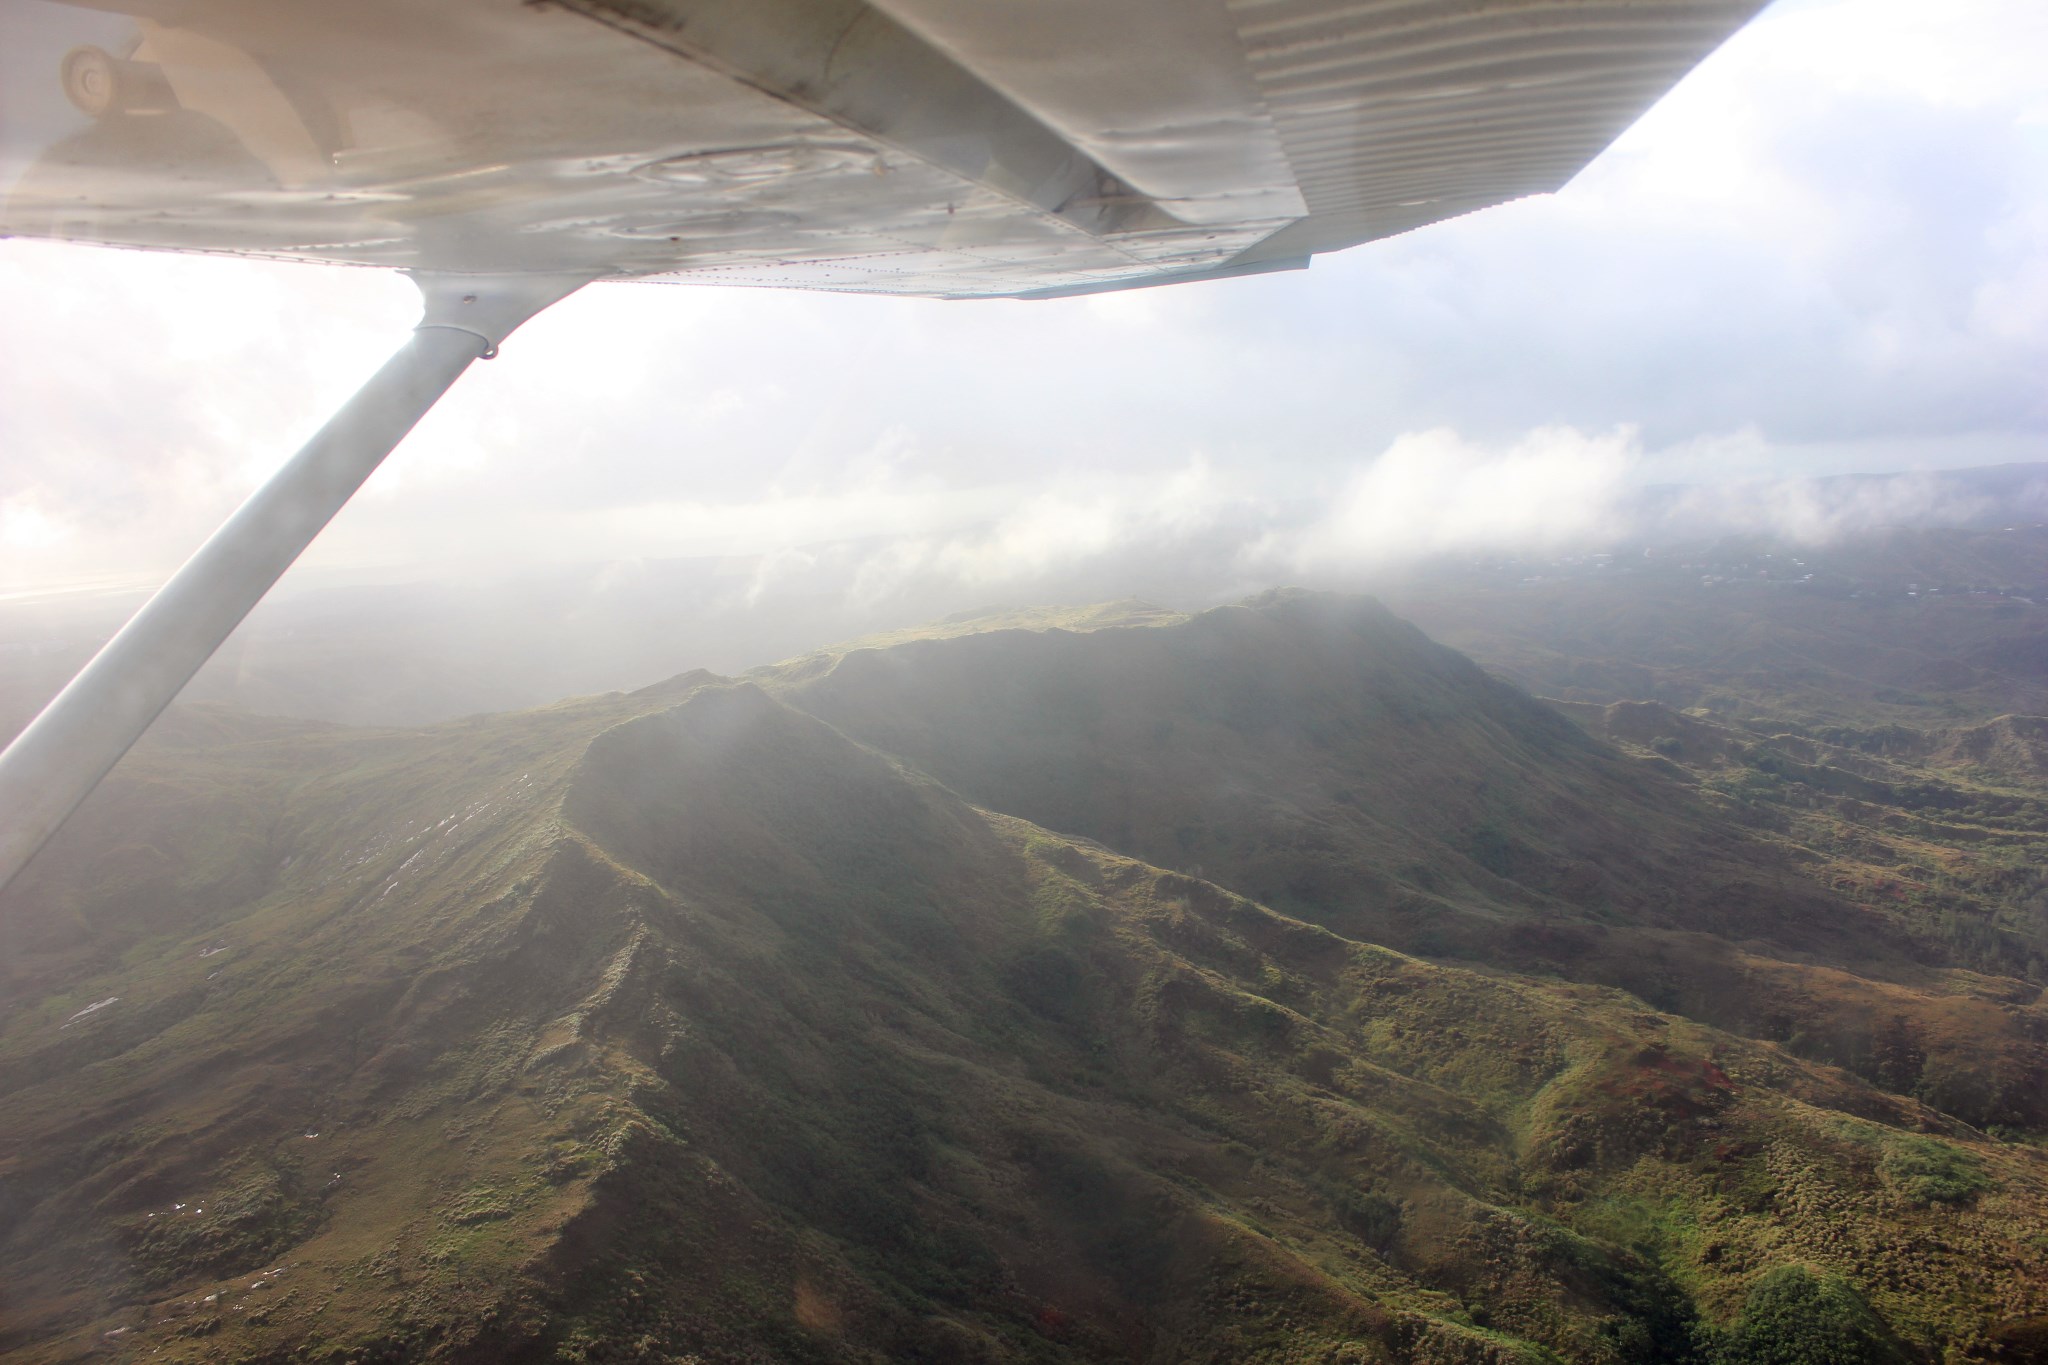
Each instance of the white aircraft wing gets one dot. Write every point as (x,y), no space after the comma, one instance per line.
(931,147)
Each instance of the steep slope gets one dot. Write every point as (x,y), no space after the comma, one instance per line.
(1319,755)
(1312,751)
(247,989)
(682,1025)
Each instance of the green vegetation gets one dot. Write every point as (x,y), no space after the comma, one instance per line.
(1041,995)
(1795,1317)
(1932,1172)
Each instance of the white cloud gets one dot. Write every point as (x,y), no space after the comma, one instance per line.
(1069,524)
(1434,492)
(26,528)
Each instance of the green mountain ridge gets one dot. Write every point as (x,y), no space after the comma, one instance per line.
(772,1020)
(1319,755)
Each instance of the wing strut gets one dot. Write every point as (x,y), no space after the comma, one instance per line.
(54,763)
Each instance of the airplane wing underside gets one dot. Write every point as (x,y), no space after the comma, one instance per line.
(931,147)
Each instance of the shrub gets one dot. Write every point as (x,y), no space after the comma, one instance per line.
(1794,1317)
(1932,1173)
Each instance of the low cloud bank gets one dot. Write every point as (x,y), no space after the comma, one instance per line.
(1434,492)
(1197,532)
(793,573)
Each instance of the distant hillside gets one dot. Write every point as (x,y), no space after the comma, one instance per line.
(1944,831)
(1911,627)
(767,1021)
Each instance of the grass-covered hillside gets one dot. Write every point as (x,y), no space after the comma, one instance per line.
(1264,985)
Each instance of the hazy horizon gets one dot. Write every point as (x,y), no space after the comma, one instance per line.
(406,647)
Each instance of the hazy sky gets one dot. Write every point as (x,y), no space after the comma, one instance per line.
(1826,251)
